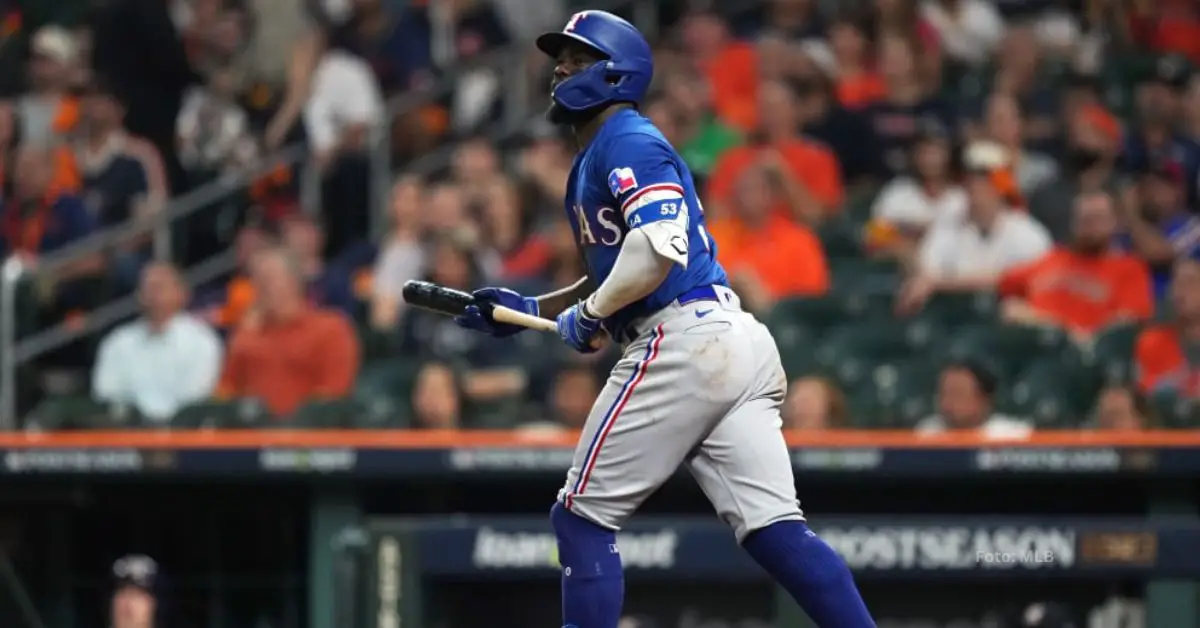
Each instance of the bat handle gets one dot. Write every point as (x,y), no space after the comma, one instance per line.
(510,316)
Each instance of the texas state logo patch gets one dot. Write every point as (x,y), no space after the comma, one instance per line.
(621,180)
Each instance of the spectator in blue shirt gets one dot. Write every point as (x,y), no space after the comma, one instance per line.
(1156,136)
(1158,226)
(329,285)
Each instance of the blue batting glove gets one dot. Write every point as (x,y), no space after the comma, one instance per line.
(479,317)
(577,327)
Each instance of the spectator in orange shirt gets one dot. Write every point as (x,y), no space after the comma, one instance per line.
(811,176)
(858,83)
(1166,358)
(726,62)
(1084,286)
(768,256)
(291,353)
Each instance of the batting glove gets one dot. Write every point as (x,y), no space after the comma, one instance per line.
(577,326)
(479,317)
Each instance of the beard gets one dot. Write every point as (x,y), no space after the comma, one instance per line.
(557,114)
(1090,247)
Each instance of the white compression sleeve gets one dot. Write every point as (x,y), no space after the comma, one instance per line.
(638,270)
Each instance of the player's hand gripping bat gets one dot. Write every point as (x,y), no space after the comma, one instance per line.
(443,300)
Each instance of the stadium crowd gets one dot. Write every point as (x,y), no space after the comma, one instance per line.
(955,214)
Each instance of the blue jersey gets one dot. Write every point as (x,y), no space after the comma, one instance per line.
(629,177)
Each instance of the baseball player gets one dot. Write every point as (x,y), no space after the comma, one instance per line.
(699,382)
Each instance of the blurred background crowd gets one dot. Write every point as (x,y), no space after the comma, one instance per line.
(955,214)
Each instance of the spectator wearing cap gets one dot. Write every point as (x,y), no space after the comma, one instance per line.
(1089,165)
(966,392)
(288,352)
(1166,356)
(807,172)
(929,193)
(136,584)
(792,19)
(970,254)
(1004,123)
(47,110)
(896,117)
(768,255)
(1157,224)
(163,361)
(1084,286)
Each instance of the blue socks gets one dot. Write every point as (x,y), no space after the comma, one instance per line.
(593,584)
(811,572)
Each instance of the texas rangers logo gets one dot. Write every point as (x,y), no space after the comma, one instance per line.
(574,21)
(621,180)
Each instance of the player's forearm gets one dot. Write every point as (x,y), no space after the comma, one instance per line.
(551,303)
(637,271)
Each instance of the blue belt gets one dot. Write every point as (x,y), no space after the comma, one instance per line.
(695,295)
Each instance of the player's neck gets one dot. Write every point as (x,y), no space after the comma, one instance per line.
(586,132)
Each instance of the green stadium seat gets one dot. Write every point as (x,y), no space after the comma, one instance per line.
(902,393)
(841,238)
(1173,411)
(224,415)
(80,413)
(857,209)
(384,393)
(1007,348)
(1111,356)
(807,313)
(494,414)
(956,309)
(1041,393)
(326,414)
(797,346)
(872,340)
(865,276)
(376,345)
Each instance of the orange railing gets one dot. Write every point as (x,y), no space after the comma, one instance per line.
(440,439)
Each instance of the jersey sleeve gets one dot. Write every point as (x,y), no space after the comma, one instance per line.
(642,176)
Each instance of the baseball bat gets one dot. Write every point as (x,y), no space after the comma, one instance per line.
(443,300)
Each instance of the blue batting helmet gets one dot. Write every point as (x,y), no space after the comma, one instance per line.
(622,76)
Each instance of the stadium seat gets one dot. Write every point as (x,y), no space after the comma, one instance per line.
(376,345)
(865,276)
(871,340)
(384,391)
(901,392)
(957,309)
(841,238)
(326,414)
(1112,353)
(1173,411)
(808,313)
(1041,392)
(858,206)
(493,414)
(797,346)
(1006,348)
(80,413)
(224,415)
